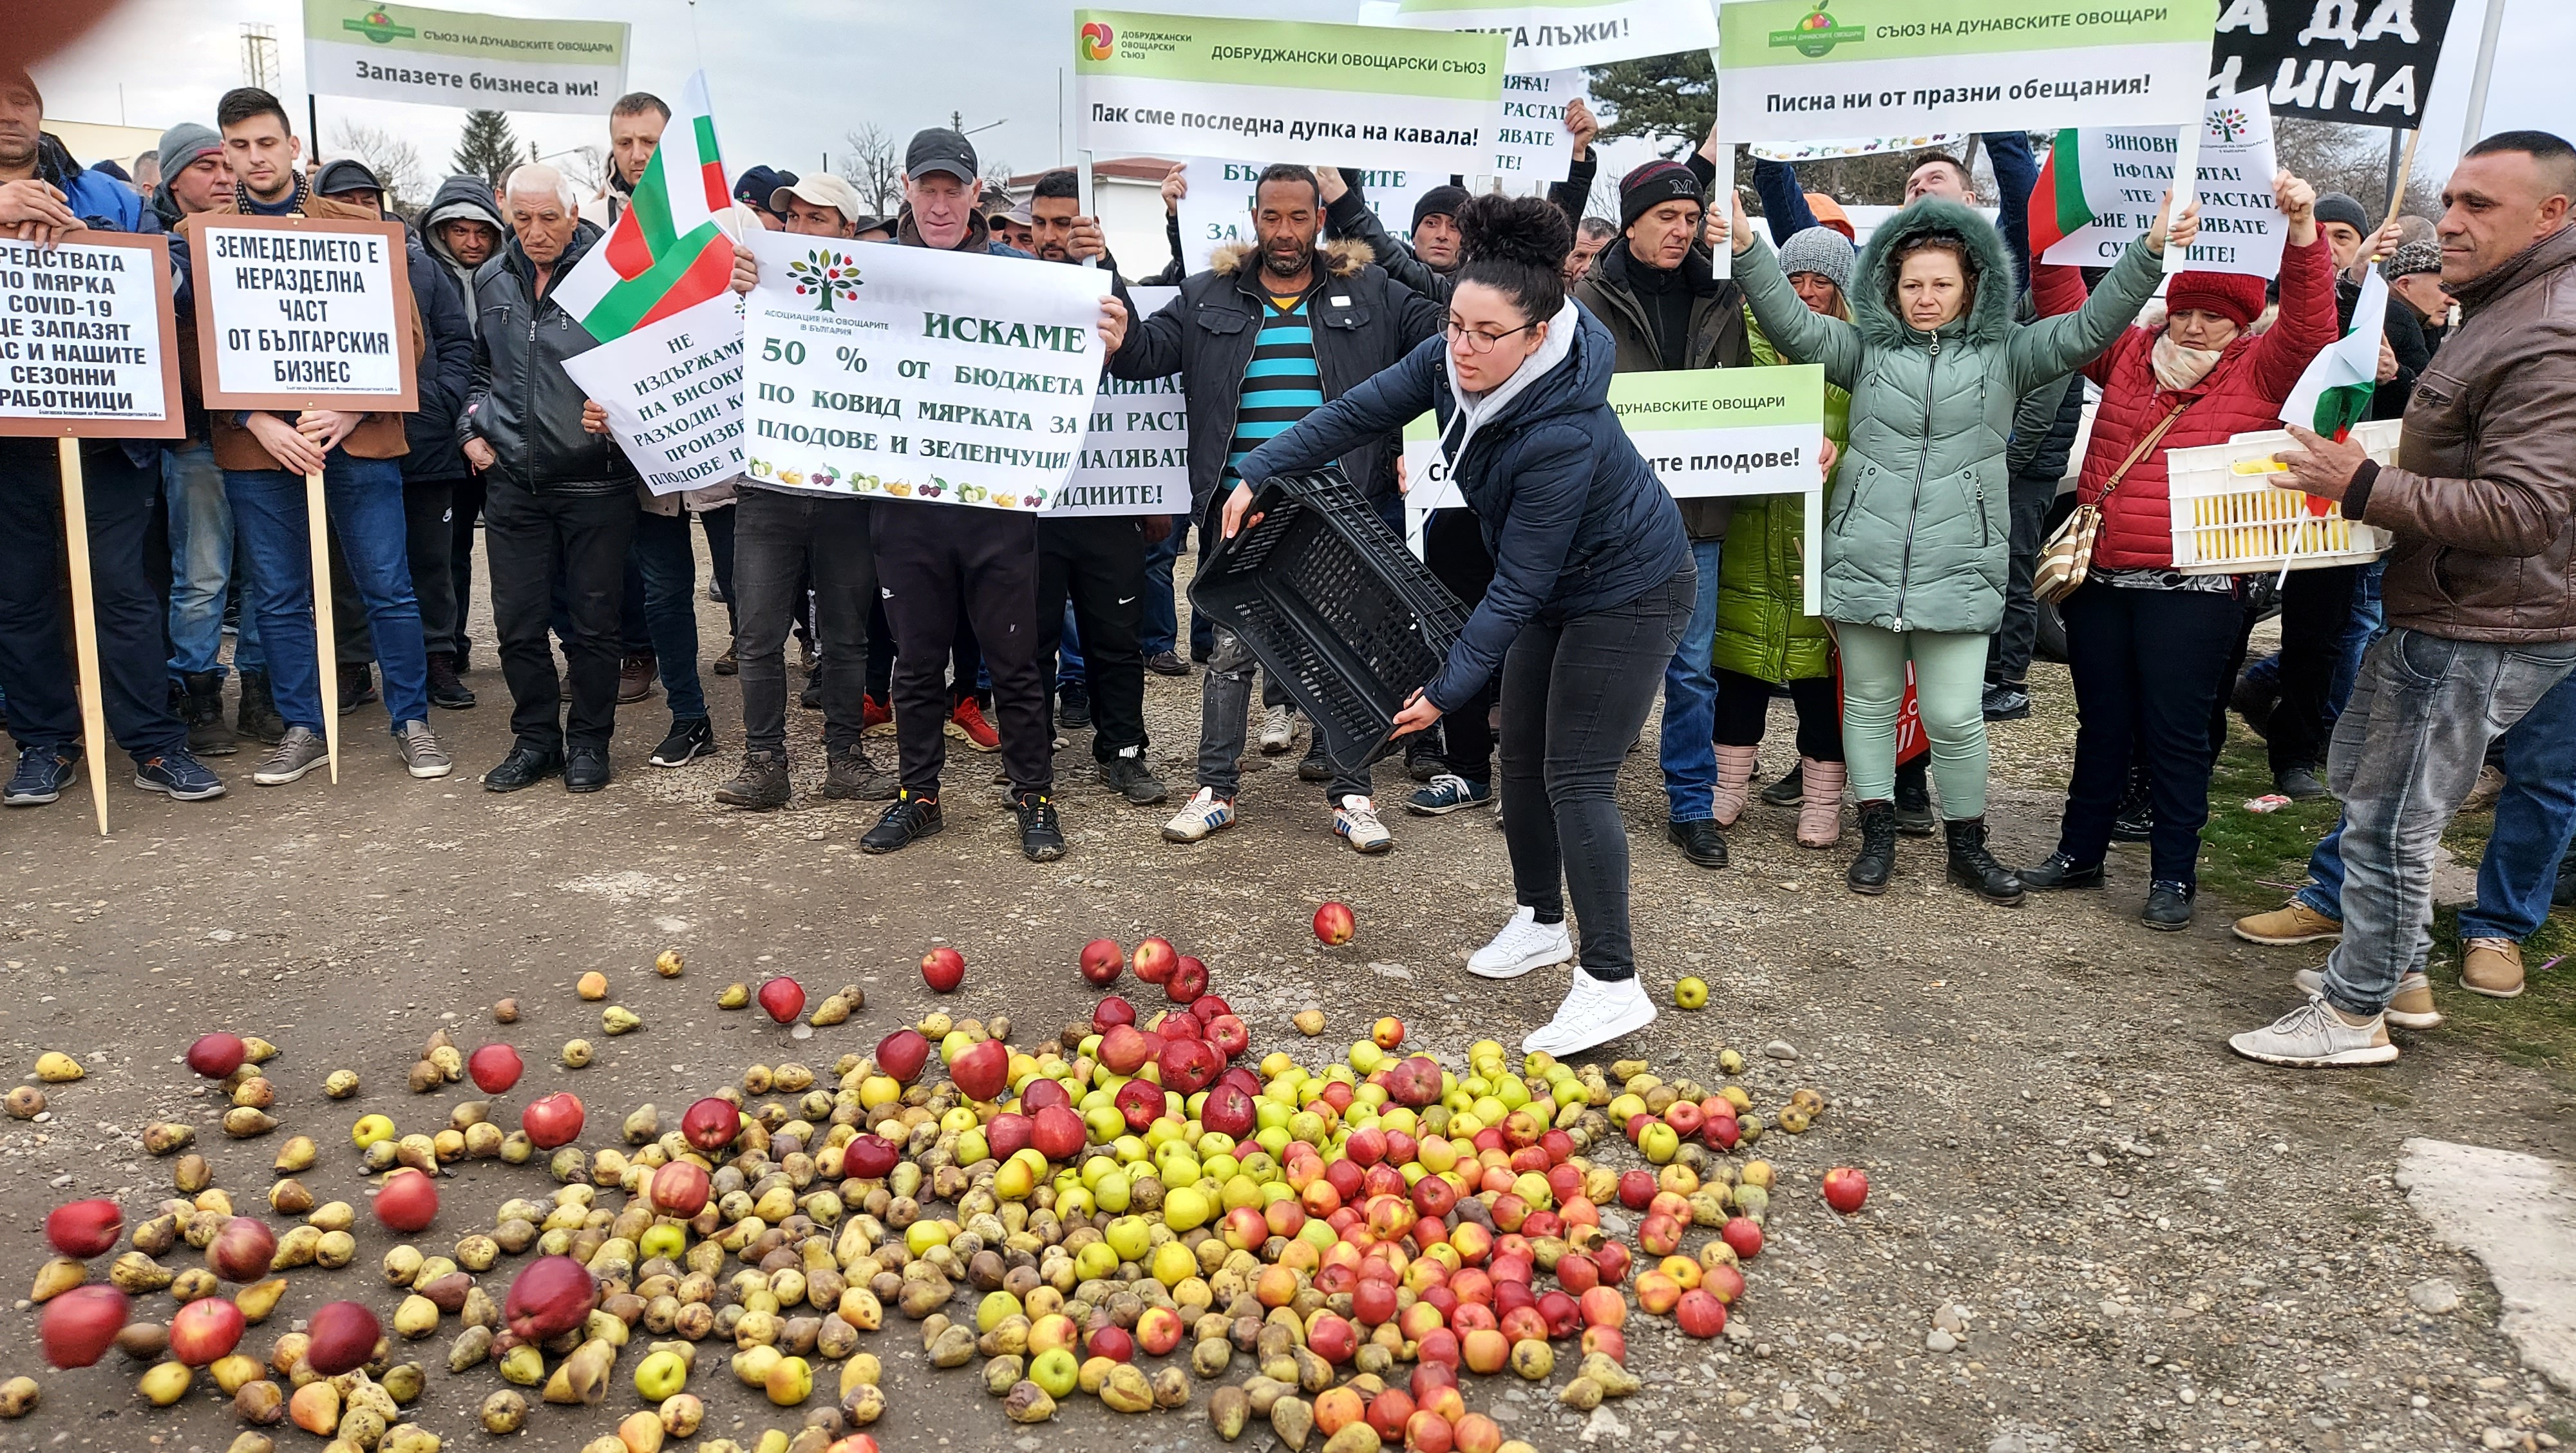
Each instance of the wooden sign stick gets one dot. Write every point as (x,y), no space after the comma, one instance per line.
(326,644)
(85,625)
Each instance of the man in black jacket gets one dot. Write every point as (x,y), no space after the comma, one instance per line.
(1261,339)
(558,499)
(463,230)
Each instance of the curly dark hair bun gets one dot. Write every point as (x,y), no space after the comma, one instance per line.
(1517,245)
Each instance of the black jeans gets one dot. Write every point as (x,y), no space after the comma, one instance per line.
(931,560)
(2316,605)
(1453,546)
(1574,696)
(1744,709)
(2008,659)
(36,667)
(429,538)
(532,539)
(719,523)
(778,538)
(1097,563)
(465,506)
(2147,664)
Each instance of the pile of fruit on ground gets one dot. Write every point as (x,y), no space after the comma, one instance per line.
(1141,1212)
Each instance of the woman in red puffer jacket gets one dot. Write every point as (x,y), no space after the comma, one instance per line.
(2149,647)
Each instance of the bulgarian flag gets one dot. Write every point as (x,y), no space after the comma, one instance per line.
(667,253)
(2057,206)
(2336,390)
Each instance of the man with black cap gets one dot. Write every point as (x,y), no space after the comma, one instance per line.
(933,558)
(756,188)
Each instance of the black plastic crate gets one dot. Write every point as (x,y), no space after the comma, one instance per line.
(1331,602)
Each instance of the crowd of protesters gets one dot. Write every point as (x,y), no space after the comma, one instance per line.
(1968,385)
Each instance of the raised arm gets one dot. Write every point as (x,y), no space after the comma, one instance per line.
(1346,214)
(1383,405)
(2016,174)
(1575,192)
(2054,347)
(1784,206)
(1800,335)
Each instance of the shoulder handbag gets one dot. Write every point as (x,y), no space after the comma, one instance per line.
(2067,558)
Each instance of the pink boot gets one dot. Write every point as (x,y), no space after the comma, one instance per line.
(1734,775)
(1820,811)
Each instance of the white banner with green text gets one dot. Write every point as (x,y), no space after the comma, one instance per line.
(455,58)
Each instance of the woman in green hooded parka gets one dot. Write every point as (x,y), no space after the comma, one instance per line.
(1916,529)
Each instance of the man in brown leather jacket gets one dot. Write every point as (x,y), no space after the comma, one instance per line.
(2481,608)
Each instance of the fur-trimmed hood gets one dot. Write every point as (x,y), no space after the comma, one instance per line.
(1990,273)
(1343,257)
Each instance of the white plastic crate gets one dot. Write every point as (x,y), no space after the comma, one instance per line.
(2230,519)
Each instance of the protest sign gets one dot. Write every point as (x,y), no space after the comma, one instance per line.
(1136,450)
(453,58)
(2099,191)
(1327,95)
(1789,70)
(1797,151)
(959,378)
(1555,35)
(673,394)
(303,313)
(1533,144)
(87,339)
(1217,211)
(2334,60)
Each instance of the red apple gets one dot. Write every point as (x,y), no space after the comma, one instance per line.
(407,1202)
(1006,1133)
(1230,1035)
(1058,1132)
(1613,1259)
(782,998)
(1210,1008)
(901,1055)
(1723,1282)
(1123,1049)
(982,1071)
(711,1124)
(1389,1411)
(1188,1065)
(1636,1188)
(217,1055)
(1102,961)
(1111,1012)
(1699,1314)
(1562,1314)
(552,1121)
(1154,960)
(550,1297)
(1414,1082)
(1846,1189)
(679,1188)
(1040,1092)
(342,1336)
(243,1251)
(1333,924)
(1112,1341)
(870,1157)
(79,1325)
(1229,1111)
(943,969)
(1373,1301)
(206,1329)
(83,1229)
(1141,1102)
(1387,1032)
(495,1068)
(1433,1196)
(1331,1338)
(1741,1234)
(1428,1432)
(1189,980)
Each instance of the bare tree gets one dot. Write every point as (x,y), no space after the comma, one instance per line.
(395,162)
(586,166)
(2336,157)
(872,163)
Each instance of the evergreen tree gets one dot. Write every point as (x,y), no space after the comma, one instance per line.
(487,149)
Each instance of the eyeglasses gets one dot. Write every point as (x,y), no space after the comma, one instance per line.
(1479,343)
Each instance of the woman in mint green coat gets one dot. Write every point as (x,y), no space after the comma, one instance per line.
(1916,530)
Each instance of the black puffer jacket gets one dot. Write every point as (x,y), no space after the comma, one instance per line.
(522,403)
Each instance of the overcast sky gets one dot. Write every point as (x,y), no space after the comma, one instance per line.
(789,77)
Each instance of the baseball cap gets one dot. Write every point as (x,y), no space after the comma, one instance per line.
(940,150)
(1020,216)
(823,189)
(754,186)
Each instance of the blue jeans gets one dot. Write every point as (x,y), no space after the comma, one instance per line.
(1690,703)
(2534,818)
(670,568)
(2369,622)
(1068,654)
(203,565)
(364,498)
(2406,750)
(1162,611)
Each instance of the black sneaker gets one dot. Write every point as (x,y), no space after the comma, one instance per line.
(761,784)
(852,775)
(2057,870)
(2006,701)
(525,767)
(1314,768)
(1073,709)
(2168,906)
(2299,784)
(446,690)
(1790,790)
(1167,663)
(688,741)
(1422,760)
(586,769)
(256,717)
(909,820)
(1128,776)
(811,698)
(357,687)
(1041,837)
(1914,798)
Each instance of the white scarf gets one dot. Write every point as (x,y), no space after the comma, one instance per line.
(2179,368)
(1474,408)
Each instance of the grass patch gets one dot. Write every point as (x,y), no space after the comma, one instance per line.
(2256,858)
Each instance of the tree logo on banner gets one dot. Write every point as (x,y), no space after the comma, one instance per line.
(2229,124)
(1098,40)
(379,27)
(826,275)
(1816,36)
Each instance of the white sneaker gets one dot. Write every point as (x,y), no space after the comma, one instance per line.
(1278,730)
(1595,1011)
(1202,815)
(1356,819)
(2411,1007)
(2314,1036)
(1523,945)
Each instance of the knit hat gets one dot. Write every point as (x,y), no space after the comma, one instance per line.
(1441,201)
(348,174)
(1650,186)
(2341,207)
(1820,250)
(182,144)
(2411,258)
(2233,296)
